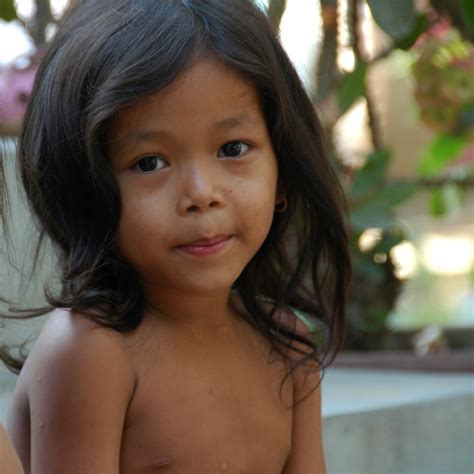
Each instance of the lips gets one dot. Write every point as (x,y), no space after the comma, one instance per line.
(206,246)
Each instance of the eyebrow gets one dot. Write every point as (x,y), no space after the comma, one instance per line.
(237,120)
(226,123)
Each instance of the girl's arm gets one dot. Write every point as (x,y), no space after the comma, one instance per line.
(307,455)
(9,463)
(79,385)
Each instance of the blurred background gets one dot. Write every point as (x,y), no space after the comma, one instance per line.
(393,83)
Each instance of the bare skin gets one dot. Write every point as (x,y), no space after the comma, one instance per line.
(195,389)
(153,403)
(9,462)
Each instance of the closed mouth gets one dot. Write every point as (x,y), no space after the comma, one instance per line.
(206,242)
(207,246)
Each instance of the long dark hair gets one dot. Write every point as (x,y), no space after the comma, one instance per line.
(107,54)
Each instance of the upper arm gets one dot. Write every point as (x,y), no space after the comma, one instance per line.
(79,388)
(307,455)
(9,462)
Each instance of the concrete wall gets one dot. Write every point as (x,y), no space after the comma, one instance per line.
(398,423)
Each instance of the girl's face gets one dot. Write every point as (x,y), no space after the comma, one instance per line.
(198,177)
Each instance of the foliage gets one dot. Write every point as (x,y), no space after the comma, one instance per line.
(440,152)
(7,10)
(440,38)
(444,77)
(352,87)
(467,14)
(397,19)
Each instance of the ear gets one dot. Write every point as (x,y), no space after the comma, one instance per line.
(281,201)
(280,193)
(280,198)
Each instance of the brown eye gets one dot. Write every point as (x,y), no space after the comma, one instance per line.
(233,149)
(150,164)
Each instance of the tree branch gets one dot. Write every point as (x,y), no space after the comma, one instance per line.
(357,45)
(326,63)
(40,21)
(437,182)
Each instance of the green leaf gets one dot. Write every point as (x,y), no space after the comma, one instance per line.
(366,265)
(466,120)
(436,203)
(467,8)
(446,200)
(441,151)
(378,211)
(421,25)
(7,10)
(396,17)
(372,215)
(352,87)
(371,174)
(393,194)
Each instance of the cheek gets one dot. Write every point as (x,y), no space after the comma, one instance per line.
(263,216)
(259,206)
(138,229)
(128,233)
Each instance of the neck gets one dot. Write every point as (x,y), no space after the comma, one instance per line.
(191,312)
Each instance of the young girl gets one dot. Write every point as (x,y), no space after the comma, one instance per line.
(171,154)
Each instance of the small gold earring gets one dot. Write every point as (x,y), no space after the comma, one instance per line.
(281,206)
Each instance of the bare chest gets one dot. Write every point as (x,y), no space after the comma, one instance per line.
(203,414)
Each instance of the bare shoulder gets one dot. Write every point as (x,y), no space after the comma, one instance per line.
(70,343)
(78,382)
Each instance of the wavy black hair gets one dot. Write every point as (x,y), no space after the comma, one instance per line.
(106,55)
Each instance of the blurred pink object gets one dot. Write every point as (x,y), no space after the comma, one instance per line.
(15,88)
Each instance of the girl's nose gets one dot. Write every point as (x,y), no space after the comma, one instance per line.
(200,189)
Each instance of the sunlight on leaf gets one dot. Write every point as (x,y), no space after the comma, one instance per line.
(446,200)
(440,152)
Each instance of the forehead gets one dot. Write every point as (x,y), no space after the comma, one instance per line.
(207,93)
